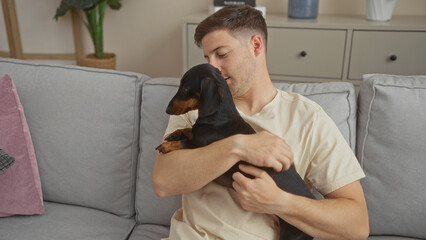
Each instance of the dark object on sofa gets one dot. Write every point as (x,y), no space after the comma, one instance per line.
(6,161)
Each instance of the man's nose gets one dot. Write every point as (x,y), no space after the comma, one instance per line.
(215,64)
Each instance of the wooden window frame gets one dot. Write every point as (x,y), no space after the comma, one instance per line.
(15,44)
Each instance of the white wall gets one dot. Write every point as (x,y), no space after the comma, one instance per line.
(146,35)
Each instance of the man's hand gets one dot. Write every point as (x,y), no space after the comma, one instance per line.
(341,215)
(265,149)
(260,194)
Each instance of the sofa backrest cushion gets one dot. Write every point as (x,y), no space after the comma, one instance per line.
(156,94)
(391,147)
(84,125)
(337,99)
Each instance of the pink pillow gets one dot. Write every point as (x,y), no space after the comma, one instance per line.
(20,187)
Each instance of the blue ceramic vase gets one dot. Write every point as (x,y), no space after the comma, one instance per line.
(303,8)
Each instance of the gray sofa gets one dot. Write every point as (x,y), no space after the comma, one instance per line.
(95,132)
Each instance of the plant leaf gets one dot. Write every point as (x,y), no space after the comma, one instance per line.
(81,4)
(61,10)
(114,4)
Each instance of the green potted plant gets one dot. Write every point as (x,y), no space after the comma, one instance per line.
(94,11)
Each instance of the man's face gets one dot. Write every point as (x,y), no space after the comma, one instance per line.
(233,57)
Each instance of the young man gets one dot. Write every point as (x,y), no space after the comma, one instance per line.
(291,130)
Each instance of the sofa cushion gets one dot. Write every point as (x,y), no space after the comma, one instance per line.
(149,232)
(85,128)
(62,221)
(337,99)
(156,94)
(391,147)
(20,187)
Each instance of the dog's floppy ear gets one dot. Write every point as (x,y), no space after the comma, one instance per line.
(210,96)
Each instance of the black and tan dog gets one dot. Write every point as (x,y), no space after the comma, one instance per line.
(203,88)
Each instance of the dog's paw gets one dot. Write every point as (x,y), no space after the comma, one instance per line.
(167,147)
(175,136)
(180,134)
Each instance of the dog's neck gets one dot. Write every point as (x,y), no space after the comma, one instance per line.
(226,111)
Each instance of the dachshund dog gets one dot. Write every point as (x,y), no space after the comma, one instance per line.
(203,88)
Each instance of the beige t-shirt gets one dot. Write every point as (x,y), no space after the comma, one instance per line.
(322,157)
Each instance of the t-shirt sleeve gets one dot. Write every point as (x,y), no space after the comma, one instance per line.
(333,164)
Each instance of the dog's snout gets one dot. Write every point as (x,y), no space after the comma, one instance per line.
(177,107)
(169,109)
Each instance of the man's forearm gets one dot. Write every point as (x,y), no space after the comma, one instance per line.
(332,218)
(187,170)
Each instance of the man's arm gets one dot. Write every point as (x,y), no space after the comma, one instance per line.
(341,215)
(187,170)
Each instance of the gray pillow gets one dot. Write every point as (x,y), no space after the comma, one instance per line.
(6,161)
(391,137)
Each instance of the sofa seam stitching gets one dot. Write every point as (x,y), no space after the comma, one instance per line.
(368,125)
(132,184)
(347,119)
(72,68)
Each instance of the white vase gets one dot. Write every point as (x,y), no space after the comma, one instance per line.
(379,10)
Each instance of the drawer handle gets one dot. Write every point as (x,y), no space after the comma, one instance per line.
(393,57)
(303,53)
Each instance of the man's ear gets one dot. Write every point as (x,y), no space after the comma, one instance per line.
(210,97)
(257,43)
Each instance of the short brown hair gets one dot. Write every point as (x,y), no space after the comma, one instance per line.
(234,19)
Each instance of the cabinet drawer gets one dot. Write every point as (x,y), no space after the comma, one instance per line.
(306,52)
(391,52)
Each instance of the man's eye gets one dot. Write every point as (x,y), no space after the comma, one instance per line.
(222,55)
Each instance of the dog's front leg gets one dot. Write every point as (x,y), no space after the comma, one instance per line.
(180,134)
(167,147)
(179,139)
